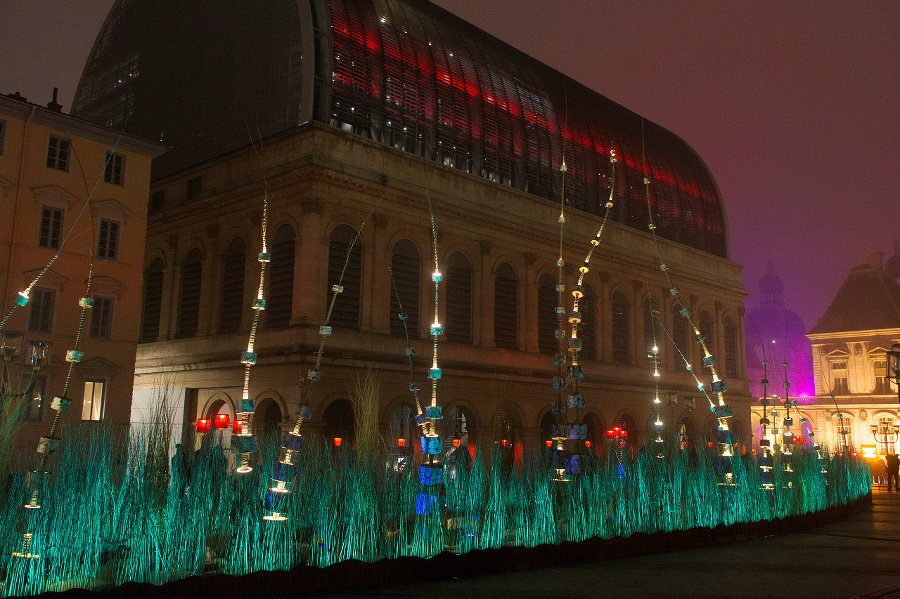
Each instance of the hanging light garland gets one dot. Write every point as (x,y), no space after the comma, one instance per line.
(718,407)
(568,413)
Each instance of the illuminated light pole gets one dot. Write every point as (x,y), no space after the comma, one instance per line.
(885,435)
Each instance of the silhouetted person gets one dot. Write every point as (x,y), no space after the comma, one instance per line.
(892,468)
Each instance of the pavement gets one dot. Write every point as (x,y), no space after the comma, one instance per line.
(855,558)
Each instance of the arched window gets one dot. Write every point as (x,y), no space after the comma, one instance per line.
(621,345)
(651,328)
(459,299)
(546,313)
(346,306)
(587,328)
(232,296)
(402,426)
(405,276)
(705,324)
(281,278)
(189,296)
(267,419)
(679,335)
(153,283)
(338,422)
(729,337)
(506,307)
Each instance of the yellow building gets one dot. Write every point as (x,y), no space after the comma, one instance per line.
(850,343)
(70,189)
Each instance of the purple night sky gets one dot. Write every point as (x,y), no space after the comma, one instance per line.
(794,106)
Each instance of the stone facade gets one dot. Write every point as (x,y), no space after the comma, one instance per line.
(850,344)
(59,195)
(319,179)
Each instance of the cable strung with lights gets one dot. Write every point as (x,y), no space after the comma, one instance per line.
(657,403)
(431,471)
(284,471)
(571,462)
(242,441)
(718,407)
(50,444)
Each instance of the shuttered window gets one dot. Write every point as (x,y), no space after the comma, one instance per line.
(153,283)
(705,324)
(651,328)
(546,314)
(621,345)
(281,278)
(679,335)
(587,328)
(189,296)
(506,308)
(346,306)
(729,337)
(232,297)
(459,299)
(405,278)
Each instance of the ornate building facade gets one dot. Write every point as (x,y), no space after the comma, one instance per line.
(351,118)
(850,344)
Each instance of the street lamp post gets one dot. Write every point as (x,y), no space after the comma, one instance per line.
(893,364)
(886,434)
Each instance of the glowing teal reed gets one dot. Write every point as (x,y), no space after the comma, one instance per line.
(114,515)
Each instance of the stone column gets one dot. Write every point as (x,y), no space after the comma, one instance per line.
(375,300)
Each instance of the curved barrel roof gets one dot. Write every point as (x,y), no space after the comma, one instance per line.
(201,74)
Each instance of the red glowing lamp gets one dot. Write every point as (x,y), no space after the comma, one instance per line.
(237,427)
(504,442)
(709,444)
(401,442)
(221,420)
(549,442)
(455,442)
(203,425)
(337,441)
(587,444)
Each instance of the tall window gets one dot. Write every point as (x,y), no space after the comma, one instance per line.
(108,239)
(844,430)
(189,297)
(94,396)
(35,406)
(194,188)
(839,374)
(115,168)
(405,277)
(157,202)
(546,313)
(679,335)
(281,280)
(459,299)
(621,343)
(705,324)
(101,318)
(153,283)
(729,337)
(506,307)
(51,226)
(346,306)
(651,328)
(587,328)
(232,298)
(58,154)
(882,387)
(40,318)
(887,424)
